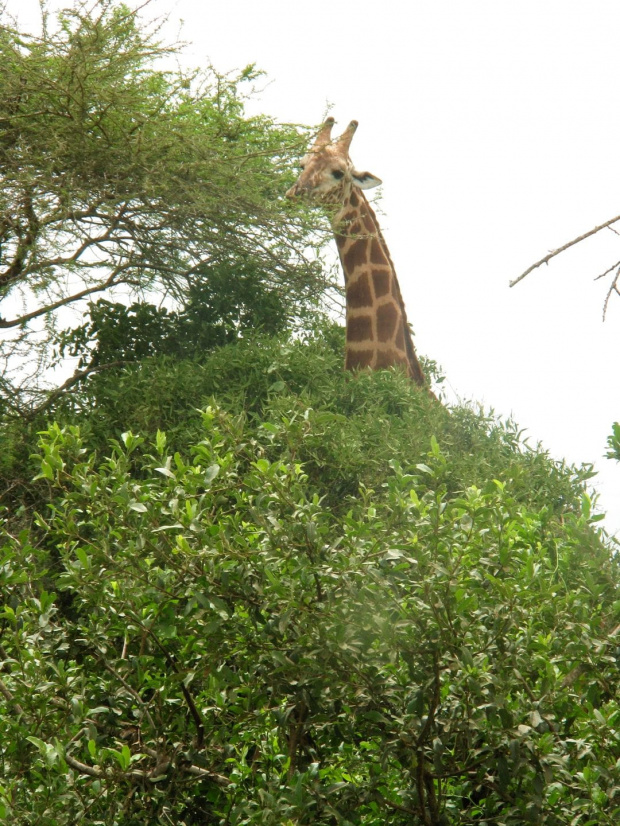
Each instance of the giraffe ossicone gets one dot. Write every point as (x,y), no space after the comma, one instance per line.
(377,332)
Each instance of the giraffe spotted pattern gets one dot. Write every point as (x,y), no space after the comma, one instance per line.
(377,332)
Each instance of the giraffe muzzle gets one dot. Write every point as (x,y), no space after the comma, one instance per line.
(298,189)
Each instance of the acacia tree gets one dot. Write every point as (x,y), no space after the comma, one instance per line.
(115,173)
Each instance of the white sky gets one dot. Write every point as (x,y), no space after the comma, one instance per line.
(494,126)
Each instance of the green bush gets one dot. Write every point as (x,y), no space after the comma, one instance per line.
(324,600)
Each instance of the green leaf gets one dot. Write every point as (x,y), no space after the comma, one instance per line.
(126,756)
(165,472)
(140,507)
(40,744)
(83,557)
(47,472)
(160,442)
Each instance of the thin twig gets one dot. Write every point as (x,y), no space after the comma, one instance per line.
(612,288)
(171,660)
(572,243)
(607,271)
(133,693)
(197,771)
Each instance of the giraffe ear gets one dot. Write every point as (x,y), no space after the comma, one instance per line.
(365,180)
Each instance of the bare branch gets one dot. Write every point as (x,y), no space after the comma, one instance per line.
(572,243)
(607,271)
(70,299)
(613,288)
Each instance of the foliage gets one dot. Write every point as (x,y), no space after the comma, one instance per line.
(321,599)
(613,442)
(230,302)
(116,172)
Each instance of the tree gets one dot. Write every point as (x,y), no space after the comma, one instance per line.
(116,173)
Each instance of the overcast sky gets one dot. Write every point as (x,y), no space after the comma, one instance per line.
(495,127)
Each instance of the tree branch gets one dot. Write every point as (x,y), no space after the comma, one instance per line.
(62,302)
(96,772)
(58,391)
(572,243)
(613,288)
(131,691)
(82,768)
(171,660)
(10,699)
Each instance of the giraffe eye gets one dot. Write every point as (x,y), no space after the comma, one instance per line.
(338,174)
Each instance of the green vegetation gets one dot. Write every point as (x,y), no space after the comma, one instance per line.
(118,176)
(613,442)
(237,585)
(320,599)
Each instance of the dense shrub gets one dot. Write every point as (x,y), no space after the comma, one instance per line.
(324,600)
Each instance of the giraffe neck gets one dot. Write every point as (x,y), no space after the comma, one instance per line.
(378,335)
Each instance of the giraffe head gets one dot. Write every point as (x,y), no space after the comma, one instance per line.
(327,173)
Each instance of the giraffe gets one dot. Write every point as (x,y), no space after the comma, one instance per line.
(377,332)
